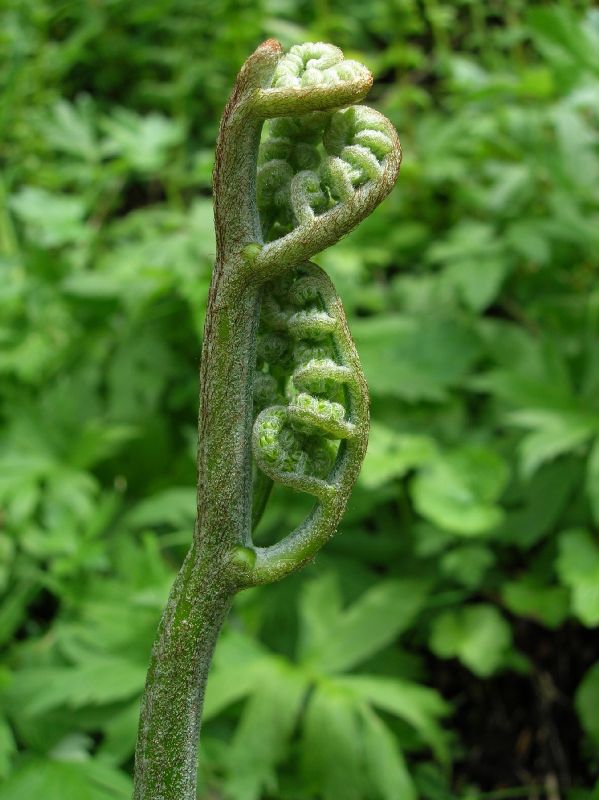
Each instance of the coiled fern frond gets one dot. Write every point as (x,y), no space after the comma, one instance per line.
(283,397)
(309,166)
(312,438)
(322,167)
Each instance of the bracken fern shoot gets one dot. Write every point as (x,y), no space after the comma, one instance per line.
(283,397)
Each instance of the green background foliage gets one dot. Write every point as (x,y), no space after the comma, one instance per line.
(446,644)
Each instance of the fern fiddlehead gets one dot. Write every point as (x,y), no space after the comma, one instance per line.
(314,439)
(283,397)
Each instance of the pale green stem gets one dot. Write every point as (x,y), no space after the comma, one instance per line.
(166,755)
(222,558)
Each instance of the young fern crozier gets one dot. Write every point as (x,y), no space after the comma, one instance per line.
(283,398)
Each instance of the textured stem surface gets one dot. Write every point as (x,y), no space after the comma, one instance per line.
(282,396)
(166,755)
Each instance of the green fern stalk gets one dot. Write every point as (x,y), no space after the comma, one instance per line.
(283,398)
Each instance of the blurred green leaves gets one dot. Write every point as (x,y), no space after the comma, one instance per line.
(345,746)
(578,568)
(73,778)
(472,296)
(458,490)
(144,143)
(51,219)
(351,636)
(430,356)
(477,635)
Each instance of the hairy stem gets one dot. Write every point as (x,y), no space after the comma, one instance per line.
(361,163)
(166,755)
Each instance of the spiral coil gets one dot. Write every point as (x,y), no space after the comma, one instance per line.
(307,360)
(324,164)
(316,64)
(320,171)
(310,164)
(311,426)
